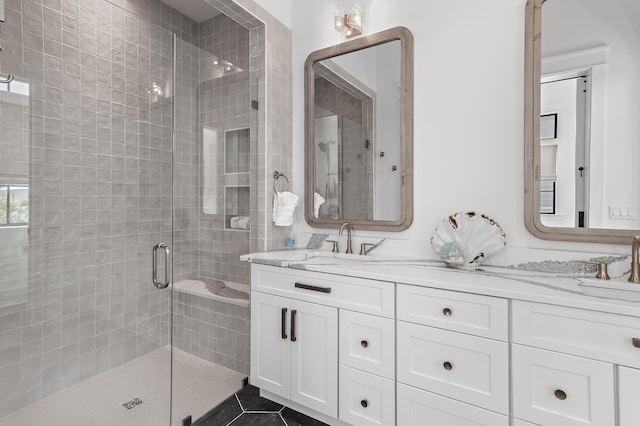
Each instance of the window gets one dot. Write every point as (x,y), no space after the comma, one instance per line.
(15,86)
(14,205)
(547,197)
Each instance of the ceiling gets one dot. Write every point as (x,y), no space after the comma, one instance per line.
(198,10)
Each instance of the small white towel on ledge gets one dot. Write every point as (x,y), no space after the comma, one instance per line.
(284,205)
(318,200)
(239,222)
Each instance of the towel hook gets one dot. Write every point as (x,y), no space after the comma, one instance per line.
(277,175)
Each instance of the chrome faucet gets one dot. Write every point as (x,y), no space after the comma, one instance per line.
(634,277)
(349,228)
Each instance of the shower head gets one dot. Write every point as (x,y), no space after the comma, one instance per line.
(324,146)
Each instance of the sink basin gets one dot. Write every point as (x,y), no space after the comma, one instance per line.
(486,269)
(327,258)
(611,293)
(618,289)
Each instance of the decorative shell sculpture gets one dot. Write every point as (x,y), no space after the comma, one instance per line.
(467,238)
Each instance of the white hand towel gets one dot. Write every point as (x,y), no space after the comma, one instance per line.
(239,222)
(317,202)
(284,205)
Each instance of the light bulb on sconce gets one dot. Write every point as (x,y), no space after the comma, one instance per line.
(156,92)
(349,24)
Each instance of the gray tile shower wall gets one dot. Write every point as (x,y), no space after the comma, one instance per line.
(186,161)
(213,330)
(270,55)
(98,150)
(225,105)
(99,171)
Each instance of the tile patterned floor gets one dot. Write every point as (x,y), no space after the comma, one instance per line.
(248,408)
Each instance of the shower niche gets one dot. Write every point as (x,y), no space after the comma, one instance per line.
(236,169)
(236,211)
(236,151)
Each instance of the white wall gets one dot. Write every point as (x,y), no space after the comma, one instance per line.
(280,9)
(468,120)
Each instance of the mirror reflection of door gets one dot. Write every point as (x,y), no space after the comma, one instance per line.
(344,141)
(600,40)
(357,108)
(564,150)
(327,165)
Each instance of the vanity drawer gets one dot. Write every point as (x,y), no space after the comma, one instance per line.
(467,313)
(367,343)
(356,294)
(418,408)
(551,388)
(599,335)
(366,399)
(471,369)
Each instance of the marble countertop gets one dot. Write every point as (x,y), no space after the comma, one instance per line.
(566,289)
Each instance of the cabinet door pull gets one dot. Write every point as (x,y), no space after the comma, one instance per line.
(447,312)
(364,343)
(313,288)
(283,324)
(447,366)
(635,341)
(560,394)
(293,325)
(364,403)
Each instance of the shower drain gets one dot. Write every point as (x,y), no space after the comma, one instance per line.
(133,403)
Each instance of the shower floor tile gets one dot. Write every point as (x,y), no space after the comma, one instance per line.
(248,408)
(198,386)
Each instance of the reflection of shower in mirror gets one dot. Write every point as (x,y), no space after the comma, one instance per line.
(332,190)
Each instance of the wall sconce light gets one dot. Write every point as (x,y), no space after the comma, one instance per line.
(349,24)
(156,93)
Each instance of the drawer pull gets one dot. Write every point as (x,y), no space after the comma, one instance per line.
(635,341)
(293,325)
(364,343)
(283,320)
(447,312)
(364,403)
(313,288)
(560,394)
(448,366)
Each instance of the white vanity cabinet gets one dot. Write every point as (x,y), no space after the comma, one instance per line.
(417,407)
(354,351)
(367,369)
(294,354)
(564,363)
(298,319)
(551,388)
(629,396)
(453,345)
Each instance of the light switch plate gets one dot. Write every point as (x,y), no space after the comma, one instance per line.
(618,212)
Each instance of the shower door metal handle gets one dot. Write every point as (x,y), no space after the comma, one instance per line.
(154,266)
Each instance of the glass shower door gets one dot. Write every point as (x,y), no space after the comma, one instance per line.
(215,139)
(86,126)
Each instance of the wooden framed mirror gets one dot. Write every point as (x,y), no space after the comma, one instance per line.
(359,133)
(582,131)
